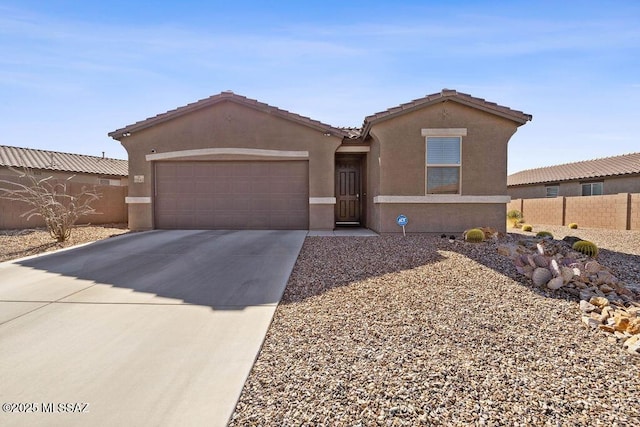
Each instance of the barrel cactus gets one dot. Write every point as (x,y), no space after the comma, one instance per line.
(586,247)
(527,227)
(475,235)
(573,226)
(544,234)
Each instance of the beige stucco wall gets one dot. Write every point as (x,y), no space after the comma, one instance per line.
(401,170)
(441,218)
(230,125)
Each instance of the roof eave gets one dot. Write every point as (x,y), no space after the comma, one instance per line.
(517,117)
(326,129)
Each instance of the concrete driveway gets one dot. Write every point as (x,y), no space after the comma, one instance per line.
(154,328)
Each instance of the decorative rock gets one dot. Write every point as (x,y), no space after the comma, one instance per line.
(621,322)
(599,301)
(585,294)
(586,306)
(606,288)
(632,345)
(592,267)
(590,322)
(607,328)
(566,273)
(607,304)
(555,283)
(541,261)
(503,250)
(541,276)
(634,326)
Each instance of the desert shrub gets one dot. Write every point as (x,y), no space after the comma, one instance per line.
(515,217)
(50,200)
(544,234)
(527,227)
(573,225)
(586,247)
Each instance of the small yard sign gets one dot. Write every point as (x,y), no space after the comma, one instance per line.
(402,221)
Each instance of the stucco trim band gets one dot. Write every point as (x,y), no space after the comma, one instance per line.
(431,199)
(137,199)
(227,151)
(322,200)
(356,149)
(444,132)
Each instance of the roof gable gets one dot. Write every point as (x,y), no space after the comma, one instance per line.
(227,96)
(18,157)
(446,95)
(588,169)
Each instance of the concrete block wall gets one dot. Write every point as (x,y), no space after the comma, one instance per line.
(634,211)
(598,211)
(111,206)
(543,211)
(615,211)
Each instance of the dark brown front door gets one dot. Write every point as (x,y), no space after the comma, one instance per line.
(348,191)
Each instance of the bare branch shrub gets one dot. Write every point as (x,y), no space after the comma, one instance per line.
(50,200)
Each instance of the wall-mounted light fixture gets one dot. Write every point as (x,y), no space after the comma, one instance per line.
(125,134)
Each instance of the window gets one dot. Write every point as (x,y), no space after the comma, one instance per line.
(443,164)
(592,189)
(552,190)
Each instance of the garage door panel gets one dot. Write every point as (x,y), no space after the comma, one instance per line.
(232,195)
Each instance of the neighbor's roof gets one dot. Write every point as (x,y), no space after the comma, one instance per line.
(53,160)
(447,95)
(222,97)
(597,168)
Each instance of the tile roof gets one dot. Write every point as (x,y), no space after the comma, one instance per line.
(221,97)
(67,162)
(352,132)
(597,168)
(447,95)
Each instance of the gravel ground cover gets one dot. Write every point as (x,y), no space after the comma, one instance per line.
(20,243)
(393,331)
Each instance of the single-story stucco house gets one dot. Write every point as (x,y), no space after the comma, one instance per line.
(608,175)
(230,162)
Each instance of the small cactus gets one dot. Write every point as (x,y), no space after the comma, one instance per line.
(475,235)
(573,226)
(527,227)
(586,247)
(544,234)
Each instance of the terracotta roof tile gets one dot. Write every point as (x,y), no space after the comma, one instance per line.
(53,160)
(597,168)
(225,96)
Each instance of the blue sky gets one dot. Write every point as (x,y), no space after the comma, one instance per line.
(71,71)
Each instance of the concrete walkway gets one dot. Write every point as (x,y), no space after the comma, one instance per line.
(155,328)
(343,232)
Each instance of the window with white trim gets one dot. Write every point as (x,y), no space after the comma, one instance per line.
(443,164)
(552,190)
(592,188)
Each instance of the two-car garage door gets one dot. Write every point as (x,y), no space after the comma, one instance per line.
(232,195)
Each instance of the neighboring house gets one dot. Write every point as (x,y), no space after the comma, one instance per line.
(88,169)
(229,162)
(109,175)
(609,175)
